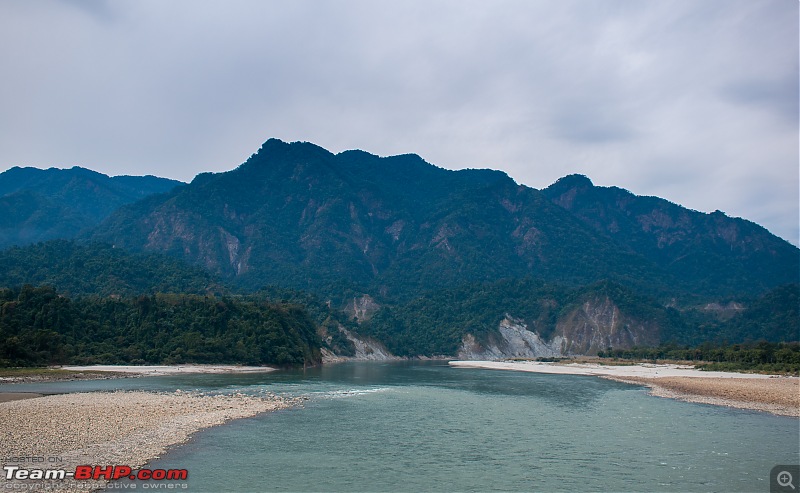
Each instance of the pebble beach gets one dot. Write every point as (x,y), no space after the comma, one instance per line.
(111,428)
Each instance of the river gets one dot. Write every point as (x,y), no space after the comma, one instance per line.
(424,426)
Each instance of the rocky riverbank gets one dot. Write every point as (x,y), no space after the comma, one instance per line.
(111,428)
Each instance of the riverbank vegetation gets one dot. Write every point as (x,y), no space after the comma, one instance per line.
(40,327)
(762,356)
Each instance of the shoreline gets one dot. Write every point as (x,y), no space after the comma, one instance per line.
(69,373)
(731,392)
(113,428)
(779,395)
(161,370)
(18,396)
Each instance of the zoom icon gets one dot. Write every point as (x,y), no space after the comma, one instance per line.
(784,478)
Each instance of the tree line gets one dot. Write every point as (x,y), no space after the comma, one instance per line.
(755,356)
(38,326)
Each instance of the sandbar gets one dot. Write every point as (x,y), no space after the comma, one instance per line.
(111,428)
(159,370)
(106,372)
(769,393)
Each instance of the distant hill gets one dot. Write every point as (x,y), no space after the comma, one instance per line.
(299,216)
(712,252)
(44,204)
(581,320)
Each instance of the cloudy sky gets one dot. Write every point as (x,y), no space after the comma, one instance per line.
(695,101)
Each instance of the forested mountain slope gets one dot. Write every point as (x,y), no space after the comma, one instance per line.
(45,204)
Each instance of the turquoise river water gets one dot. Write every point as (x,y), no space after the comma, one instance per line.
(425,426)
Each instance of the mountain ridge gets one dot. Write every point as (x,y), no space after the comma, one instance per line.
(432,261)
(296,211)
(685,242)
(44,204)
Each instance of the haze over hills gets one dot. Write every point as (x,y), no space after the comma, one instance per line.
(38,205)
(413,259)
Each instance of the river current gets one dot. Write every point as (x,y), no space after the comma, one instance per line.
(425,426)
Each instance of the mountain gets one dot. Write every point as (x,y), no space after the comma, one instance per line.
(299,216)
(395,255)
(39,205)
(713,252)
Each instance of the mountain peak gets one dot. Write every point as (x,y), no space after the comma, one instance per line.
(573,181)
(277,151)
(274,145)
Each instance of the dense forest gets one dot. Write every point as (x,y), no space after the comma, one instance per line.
(75,268)
(39,327)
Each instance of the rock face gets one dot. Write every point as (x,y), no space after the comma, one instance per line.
(366,349)
(598,324)
(362,308)
(726,311)
(593,326)
(515,341)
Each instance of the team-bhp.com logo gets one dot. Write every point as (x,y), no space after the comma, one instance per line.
(85,473)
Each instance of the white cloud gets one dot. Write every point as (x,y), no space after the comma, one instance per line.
(692,100)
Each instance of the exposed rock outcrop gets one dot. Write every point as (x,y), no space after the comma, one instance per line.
(598,324)
(726,311)
(366,349)
(515,341)
(362,308)
(592,326)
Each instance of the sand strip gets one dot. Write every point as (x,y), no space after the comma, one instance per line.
(111,428)
(159,370)
(105,372)
(769,393)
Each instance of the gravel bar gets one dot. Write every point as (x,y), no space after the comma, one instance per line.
(110,428)
(780,395)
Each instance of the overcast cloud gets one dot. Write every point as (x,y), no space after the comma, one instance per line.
(695,101)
